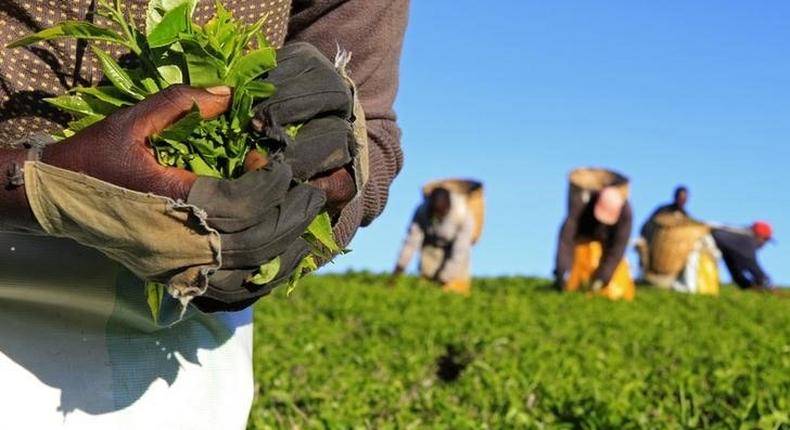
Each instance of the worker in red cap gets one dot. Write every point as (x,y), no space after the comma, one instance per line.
(739,250)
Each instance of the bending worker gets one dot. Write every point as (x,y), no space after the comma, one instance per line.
(442,229)
(739,250)
(594,237)
(86,221)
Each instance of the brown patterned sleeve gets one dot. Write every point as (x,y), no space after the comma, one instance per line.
(372,30)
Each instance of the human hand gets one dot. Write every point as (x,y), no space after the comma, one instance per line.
(312,95)
(116,149)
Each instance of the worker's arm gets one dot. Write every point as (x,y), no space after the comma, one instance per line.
(413,242)
(746,271)
(759,277)
(114,151)
(462,246)
(104,189)
(567,239)
(644,231)
(372,30)
(614,249)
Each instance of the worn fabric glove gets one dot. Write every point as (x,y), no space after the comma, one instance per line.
(315,96)
(330,148)
(230,290)
(258,215)
(318,98)
(155,237)
(123,203)
(236,224)
(308,87)
(255,232)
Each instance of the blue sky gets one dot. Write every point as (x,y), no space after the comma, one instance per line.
(517,93)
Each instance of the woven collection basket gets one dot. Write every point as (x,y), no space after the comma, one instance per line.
(671,241)
(472,190)
(587,180)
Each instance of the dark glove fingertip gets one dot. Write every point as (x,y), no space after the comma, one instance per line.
(269,184)
(312,199)
(322,145)
(273,127)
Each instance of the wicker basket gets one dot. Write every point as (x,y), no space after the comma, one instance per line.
(671,241)
(587,180)
(472,190)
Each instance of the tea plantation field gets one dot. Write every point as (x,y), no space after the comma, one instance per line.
(348,352)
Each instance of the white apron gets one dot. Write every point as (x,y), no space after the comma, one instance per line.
(79,348)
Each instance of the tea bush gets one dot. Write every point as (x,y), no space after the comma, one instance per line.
(348,352)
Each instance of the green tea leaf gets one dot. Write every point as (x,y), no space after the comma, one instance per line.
(251,66)
(154,296)
(150,85)
(157,9)
(205,70)
(201,168)
(248,35)
(307,265)
(109,95)
(84,123)
(183,129)
(260,89)
(82,105)
(171,74)
(74,29)
(72,103)
(222,31)
(172,24)
(180,147)
(241,111)
(321,229)
(266,273)
(292,130)
(117,75)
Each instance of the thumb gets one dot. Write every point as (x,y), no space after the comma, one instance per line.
(159,111)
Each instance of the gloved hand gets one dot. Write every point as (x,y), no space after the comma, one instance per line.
(259,216)
(230,290)
(251,219)
(311,93)
(116,149)
(254,232)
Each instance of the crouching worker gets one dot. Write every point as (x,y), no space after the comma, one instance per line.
(739,250)
(444,228)
(594,236)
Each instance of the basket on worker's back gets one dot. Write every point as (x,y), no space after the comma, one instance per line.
(671,240)
(472,191)
(587,180)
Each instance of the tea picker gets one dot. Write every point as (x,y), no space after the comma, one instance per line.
(595,234)
(739,247)
(443,229)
